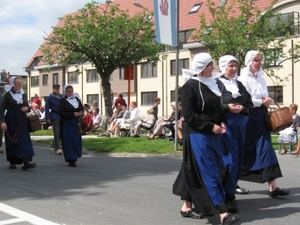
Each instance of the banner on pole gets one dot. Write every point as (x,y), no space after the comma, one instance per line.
(165,21)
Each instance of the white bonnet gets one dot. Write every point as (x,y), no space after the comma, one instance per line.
(9,86)
(223,62)
(249,56)
(66,86)
(200,61)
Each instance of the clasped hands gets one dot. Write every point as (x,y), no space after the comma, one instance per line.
(219,129)
(235,108)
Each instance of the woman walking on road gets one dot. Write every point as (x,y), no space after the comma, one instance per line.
(14,122)
(70,112)
(259,158)
(198,181)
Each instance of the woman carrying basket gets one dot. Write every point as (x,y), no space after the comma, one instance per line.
(13,120)
(259,156)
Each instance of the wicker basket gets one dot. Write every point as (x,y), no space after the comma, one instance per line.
(279,119)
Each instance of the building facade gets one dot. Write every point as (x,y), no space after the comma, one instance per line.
(159,81)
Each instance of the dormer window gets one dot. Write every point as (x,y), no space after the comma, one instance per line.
(196,7)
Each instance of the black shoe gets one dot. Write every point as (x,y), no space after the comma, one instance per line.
(12,166)
(72,164)
(232,206)
(240,190)
(136,136)
(278,192)
(192,214)
(230,219)
(28,166)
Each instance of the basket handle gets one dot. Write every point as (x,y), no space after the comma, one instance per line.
(277,105)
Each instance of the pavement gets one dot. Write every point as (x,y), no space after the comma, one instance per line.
(127,190)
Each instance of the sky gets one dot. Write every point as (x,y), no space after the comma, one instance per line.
(23,25)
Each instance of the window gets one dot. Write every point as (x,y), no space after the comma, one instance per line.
(45,79)
(148,70)
(121,74)
(73,78)
(92,76)
(35,81)
(183,38)
(173,99)
(173,96)
(148,98)
(91,98)
(183,64)
(55,78)
(276,93)
(195,8)
(287,24)
(273,57)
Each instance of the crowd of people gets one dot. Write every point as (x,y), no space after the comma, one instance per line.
(64,112)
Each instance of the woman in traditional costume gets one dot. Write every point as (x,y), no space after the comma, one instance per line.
(237,105)
(13,120)
(259,156)
(198,181)
(70,112)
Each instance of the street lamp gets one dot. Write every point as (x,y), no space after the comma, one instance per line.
(137,4)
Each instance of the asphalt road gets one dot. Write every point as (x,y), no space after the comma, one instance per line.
(125,191)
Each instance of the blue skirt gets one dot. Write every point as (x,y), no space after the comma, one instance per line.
(71,139)
(233,145)
(207,150)
(259,152)
(17,138)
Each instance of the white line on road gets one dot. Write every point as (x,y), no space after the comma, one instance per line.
(23,216)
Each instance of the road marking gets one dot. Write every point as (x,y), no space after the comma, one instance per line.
(22,216)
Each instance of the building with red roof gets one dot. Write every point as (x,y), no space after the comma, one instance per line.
(160,82)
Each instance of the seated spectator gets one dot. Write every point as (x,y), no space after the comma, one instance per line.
(172,126)
(161,123)
(34,110)
(131,121)
(86,109)
(180,132)
(118,113)
(117,121)
(296,152)
(134,115)
(95,105)
(42,114)
(97,119)
(288,135)
(87,120)
(146,123)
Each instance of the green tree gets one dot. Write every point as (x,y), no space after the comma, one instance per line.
(241,26)
(105,36)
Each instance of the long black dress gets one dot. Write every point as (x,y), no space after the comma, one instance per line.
(70,130)
(201,109)
(18,143)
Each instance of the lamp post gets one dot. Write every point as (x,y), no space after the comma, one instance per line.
(137,4)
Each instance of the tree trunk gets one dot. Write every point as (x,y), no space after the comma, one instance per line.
(107,95)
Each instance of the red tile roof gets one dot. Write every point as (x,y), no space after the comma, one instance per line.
(187,21)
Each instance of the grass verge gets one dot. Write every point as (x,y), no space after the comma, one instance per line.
(128,144)
(124,145)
